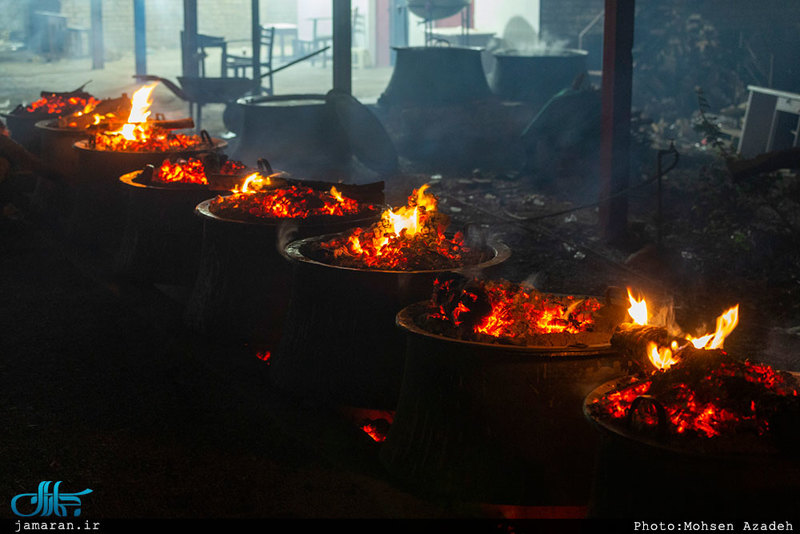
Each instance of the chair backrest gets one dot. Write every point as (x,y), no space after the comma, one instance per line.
(203,41)
(267,40)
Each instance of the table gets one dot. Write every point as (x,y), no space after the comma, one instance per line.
(282,31)
(459,37)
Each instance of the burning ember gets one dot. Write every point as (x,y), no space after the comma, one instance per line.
(193,171)
(53,104)
(708,393)
(407,238)
(97,114)
(691,386)
(518,314)
(271,197)
(139,134)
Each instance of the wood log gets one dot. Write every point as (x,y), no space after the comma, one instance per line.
(631,341)
(120,107)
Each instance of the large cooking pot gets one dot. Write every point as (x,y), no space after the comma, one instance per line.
(492,422)
(99,207)
(340,343)
(436,75)
(739,477)
(241,292)
(162,236)
(297,133)
(535,77)
(57,145)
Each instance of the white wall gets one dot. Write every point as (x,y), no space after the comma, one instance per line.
(490,16)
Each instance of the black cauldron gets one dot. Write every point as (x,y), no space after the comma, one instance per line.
(742,482)
(243,281)
(497,423)
(299,134)
(535,78)
(100,202)
(435,76)
(340,343)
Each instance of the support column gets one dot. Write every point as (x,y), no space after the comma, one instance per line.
(191,65)
(616,116)
(98,49)
(140,37)
(255,25)
(342,46)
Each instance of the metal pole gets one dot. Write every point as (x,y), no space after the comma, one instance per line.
(98,50)
(140,37)
(191,64)
(255,21)
(616,117)
(342,46)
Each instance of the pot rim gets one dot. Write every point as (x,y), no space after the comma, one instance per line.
(619,430)
(130,177)
(405,321)
(23,116)
(47,124)
(216,144)
(256,100)
(293,252)
(456,47)
(563,53)
(203,210)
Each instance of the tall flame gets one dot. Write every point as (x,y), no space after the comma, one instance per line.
(726,323)
(407,218)
(638,310)
(140,111)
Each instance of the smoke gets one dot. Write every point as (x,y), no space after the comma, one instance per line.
(286,233)
(519,37)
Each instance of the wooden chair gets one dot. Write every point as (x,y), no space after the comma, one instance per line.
(238,64)
(204,42)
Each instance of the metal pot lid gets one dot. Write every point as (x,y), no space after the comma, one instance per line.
(367,137)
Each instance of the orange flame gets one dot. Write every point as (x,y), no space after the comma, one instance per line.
(253,183)
(638,310)
(660,357)
(137,134)
(726,323)
(410,230)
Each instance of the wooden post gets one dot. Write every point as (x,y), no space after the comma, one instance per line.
(255,25)
(98,50)
(140,37)
(342,46)
(616,116)
(191,65)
